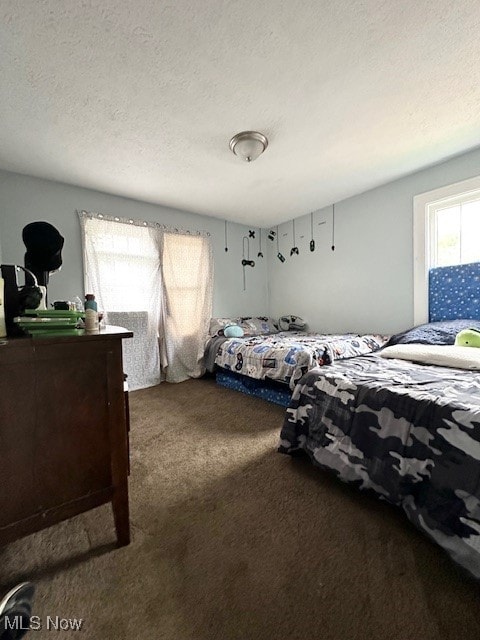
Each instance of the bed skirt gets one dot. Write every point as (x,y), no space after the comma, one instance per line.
(266,389)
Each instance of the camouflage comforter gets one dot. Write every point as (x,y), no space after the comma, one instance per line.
(408,432)
(287,355)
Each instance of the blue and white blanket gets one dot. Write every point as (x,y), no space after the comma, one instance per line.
(288,355)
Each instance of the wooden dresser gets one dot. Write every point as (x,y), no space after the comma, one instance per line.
(63,431)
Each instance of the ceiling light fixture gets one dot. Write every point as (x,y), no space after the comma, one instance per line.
(248,145)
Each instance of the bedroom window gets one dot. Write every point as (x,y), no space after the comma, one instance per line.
(446,231)
(125,260)
(159,278)
(454,231)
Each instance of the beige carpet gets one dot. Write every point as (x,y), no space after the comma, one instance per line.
(232,540)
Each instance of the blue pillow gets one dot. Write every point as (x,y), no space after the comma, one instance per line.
(233,331)
(443,332)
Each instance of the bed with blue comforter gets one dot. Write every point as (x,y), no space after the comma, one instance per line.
(408,432)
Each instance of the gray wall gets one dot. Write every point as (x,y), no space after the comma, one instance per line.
(24,199)
(366,284)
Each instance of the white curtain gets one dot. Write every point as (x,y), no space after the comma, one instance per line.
(187,268)
(140,270)
(122,270)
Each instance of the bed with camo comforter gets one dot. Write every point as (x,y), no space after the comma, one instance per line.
(408,432)
(287,355)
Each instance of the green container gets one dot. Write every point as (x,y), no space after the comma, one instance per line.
(54,313)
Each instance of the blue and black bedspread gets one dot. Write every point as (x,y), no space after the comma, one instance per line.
(408,432)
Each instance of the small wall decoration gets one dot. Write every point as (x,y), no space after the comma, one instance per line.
(246,262)
(272,235)
(294,250)
(279,254)
(333,227)
(312,241)
(259,254)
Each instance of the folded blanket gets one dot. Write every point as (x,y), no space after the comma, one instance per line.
(442,355)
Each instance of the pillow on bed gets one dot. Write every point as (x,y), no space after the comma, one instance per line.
(257,326)
(441,355)
(433,332)
(292,323)
(217,325)
(252,326)
(233,331)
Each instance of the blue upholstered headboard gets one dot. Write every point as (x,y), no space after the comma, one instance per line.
(454,292)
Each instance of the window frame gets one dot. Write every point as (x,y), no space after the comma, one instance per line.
(424,204)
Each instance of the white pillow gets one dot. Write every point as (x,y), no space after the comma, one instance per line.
(442,355)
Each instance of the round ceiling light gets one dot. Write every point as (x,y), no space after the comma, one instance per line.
(248,145)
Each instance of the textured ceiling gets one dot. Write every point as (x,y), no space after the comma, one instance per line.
(140,98)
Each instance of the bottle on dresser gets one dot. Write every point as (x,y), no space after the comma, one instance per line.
(91,313)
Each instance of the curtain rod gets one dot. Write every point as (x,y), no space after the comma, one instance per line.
(139,223)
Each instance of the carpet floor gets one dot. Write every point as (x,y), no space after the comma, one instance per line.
(231,540)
